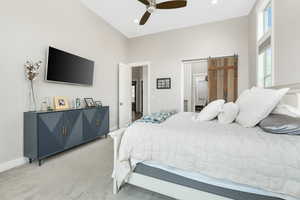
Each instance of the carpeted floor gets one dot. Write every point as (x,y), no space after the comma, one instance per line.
(83,173)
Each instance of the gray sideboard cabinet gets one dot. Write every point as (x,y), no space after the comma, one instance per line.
(49,133)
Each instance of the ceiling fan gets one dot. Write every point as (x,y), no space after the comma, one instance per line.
(152,6)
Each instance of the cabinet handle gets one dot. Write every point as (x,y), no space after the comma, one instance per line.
(66,131)
(97,122)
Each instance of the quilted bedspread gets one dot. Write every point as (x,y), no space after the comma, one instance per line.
(243,155)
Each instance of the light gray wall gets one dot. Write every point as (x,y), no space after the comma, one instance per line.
(287,42)
(166,50)
(27,28)
(252,46)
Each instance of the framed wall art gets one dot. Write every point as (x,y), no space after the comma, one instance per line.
(163,83)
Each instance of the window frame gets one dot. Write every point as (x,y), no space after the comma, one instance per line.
(263,35)
(265,76)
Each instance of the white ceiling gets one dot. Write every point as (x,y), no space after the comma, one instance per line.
(122,13)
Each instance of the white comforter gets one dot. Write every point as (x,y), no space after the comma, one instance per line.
(243,155)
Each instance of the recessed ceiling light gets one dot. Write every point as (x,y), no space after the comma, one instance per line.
(214,2)
(136,21)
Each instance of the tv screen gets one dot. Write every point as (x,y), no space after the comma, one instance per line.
(68,68)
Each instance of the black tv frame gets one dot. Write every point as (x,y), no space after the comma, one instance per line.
(63,82)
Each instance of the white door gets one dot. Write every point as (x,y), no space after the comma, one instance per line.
(125,95)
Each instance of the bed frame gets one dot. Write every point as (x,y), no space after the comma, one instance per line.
(156,185)
(174,190)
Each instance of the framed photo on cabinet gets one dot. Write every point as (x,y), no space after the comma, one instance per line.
(89,102)
(61,103)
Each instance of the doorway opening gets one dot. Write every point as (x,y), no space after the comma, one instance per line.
(137,92)
(195,85)
(134,92)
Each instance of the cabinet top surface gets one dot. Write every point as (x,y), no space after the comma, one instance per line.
(75,109)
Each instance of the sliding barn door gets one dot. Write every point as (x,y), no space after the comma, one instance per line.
(223,78)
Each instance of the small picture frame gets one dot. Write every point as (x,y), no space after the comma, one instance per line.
(61,103)
(89,102)
(163,83)
(98,104)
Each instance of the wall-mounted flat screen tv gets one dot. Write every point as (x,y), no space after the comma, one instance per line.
(68,68)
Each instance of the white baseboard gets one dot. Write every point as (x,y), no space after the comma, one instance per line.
(12,164)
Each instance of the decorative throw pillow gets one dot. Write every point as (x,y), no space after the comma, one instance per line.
(211,111)
(229,113)
(283,109)
(256,104)
(281,124)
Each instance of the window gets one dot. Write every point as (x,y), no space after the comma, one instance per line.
(264,46)
(265,68)
(267,18)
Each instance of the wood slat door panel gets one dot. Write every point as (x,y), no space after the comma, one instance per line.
(231,84)
(212,81)
(220,85)
(223,78)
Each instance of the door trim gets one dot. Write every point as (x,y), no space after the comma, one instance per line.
(134,83)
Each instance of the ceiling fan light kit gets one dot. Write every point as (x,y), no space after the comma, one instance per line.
(151,6)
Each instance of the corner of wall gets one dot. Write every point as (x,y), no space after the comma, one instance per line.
(252,45)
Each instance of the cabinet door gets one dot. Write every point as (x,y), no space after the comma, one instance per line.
(50,129)
(74,128)
(90,124)
(103,128)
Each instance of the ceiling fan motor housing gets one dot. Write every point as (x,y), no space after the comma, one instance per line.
(152,6)
(151,9)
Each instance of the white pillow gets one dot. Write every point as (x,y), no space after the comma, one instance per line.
(284,109)
(256,104)
(211,111)
(228,113)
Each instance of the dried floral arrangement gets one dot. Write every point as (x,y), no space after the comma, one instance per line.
(32,72)
(32,69)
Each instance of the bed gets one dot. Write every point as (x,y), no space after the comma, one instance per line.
(185,159)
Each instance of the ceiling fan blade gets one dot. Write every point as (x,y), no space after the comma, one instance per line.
(172,4)
(146,2)
(145,18)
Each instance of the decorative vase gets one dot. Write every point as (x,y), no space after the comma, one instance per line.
(32,71)
(32,98)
